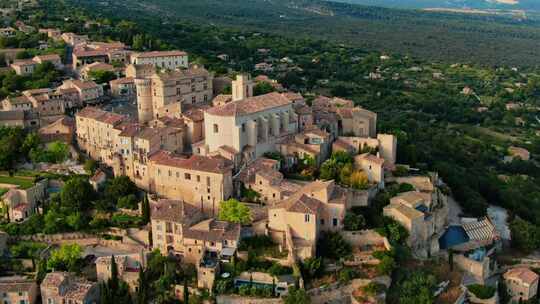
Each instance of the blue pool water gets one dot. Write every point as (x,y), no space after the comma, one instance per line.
(51,190)
(453,236)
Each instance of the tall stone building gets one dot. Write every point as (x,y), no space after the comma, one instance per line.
(164,93)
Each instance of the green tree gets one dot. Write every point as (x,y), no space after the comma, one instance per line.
(354,222)
(142,292)
(145,209)
(90,166)
(101,76)
(234,211)
(113,280)
(417,288)
(67,257)
(393,230)
(297,296)
(262,88)
(332,245)
(31,141)
(119,187)
(75,221)
(128,202)
(525,236)
(312,267)
(58,152)
(77,195)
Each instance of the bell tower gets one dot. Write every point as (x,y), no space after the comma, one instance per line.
(242,87)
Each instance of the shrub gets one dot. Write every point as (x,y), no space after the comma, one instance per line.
(481,291)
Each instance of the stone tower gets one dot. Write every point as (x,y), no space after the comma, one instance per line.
(144,99)
(242,87)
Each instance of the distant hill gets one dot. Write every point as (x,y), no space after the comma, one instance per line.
(440,36)
(455,4)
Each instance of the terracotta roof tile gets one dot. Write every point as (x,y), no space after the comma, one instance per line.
(195,162)
(160,54)
(250,105)
(173,210)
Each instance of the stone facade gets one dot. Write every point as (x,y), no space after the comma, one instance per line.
(164,93)
(128,269)
(18,290)
(423,212)
(251,126)
(22,203)
(63,287)
(297,221)
(183,229)
(522,283)
(170,60)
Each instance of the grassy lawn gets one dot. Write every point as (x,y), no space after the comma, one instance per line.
(22,182)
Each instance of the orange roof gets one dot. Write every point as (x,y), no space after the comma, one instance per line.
(250,105)
(524,274)
(160,54)
(195,162)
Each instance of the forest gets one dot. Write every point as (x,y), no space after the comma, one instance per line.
(486,39)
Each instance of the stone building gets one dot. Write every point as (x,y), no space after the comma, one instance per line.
(128,267)
(251,126)
(521,283)
(310,143)
(384,144)
(24,67)
(423,212)
(62,130)
(184,230)
(164,93)
(89,92)
(22,202)
(87,70)
(55,59)
(63,287)
(123,87)
(170,60)
(203,181)
(296,222)
(18,290)
(73,39)
(263,176)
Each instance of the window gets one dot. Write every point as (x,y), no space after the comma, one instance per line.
(193,99)
(170,173)
(243,127)
(335,222)
(205,98)
(198,178)
(306,218)
(187,176)
(322,222)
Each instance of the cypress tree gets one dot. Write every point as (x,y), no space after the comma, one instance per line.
(113,281)
(186,292)
(142,294)
(145,209)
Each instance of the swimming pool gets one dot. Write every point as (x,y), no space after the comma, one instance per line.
(453,236)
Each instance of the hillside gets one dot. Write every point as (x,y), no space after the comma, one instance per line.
(456,4)
(485,39)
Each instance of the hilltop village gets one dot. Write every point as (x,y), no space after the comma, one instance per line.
(142,177)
